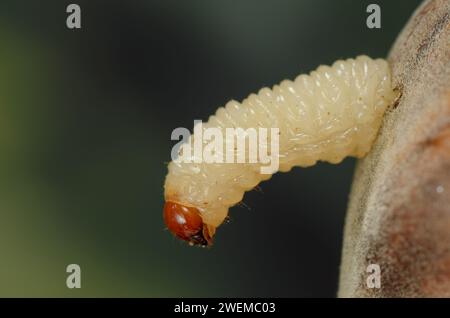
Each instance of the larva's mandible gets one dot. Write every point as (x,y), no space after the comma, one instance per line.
(327,115)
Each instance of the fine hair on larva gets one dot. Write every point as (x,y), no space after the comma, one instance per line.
(332,113)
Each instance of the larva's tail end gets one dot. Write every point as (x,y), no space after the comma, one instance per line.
(186,223)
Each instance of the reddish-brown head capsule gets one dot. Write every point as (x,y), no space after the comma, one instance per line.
(186,223)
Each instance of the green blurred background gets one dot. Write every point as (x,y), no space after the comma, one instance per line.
(85,123)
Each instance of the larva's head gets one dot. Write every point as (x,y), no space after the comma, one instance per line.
(186,223)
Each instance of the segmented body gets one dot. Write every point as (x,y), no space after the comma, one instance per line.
(332,113)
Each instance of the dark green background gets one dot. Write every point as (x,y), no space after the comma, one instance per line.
(85,123)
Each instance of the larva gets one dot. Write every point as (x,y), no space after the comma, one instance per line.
(332,113)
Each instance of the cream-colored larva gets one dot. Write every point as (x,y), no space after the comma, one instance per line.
(332,113)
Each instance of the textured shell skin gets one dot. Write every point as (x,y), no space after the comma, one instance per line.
(332,113)
(399,209)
